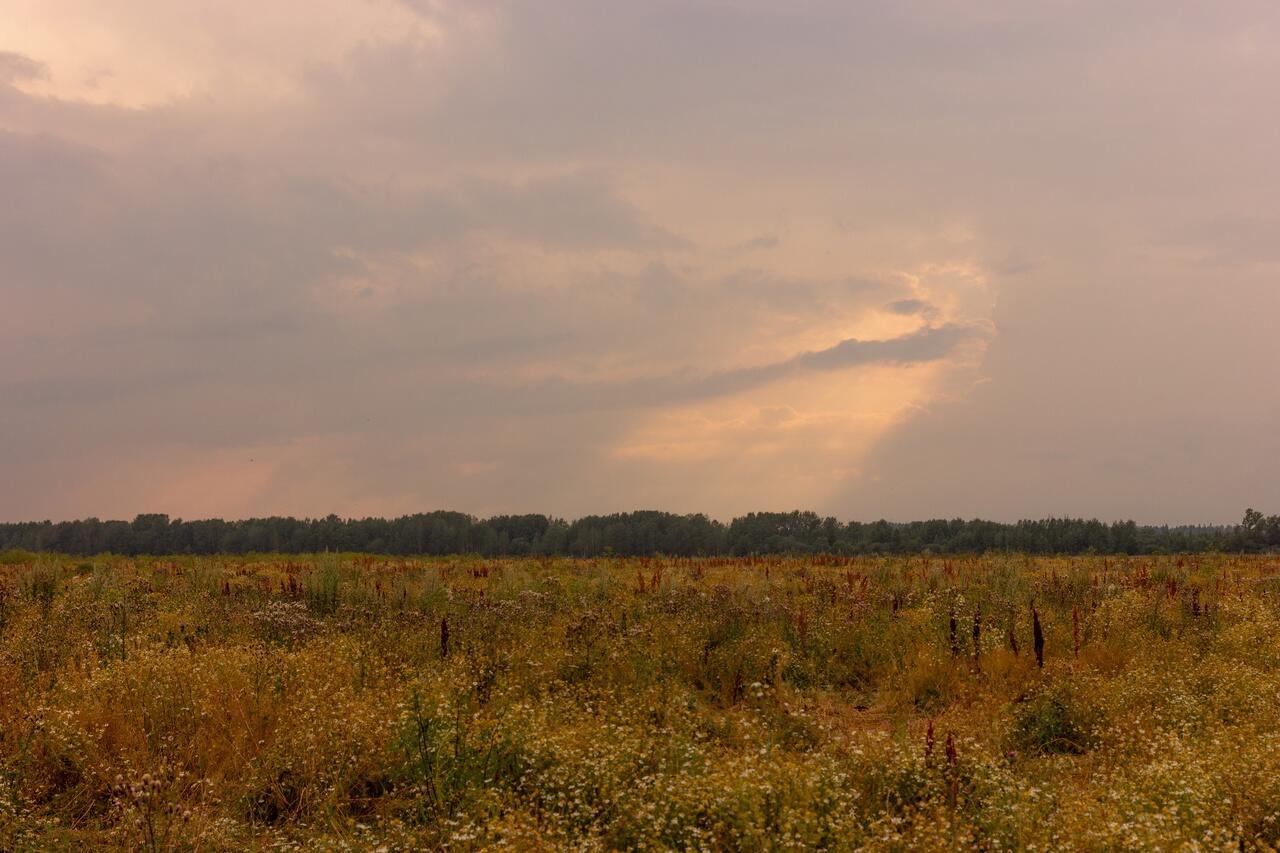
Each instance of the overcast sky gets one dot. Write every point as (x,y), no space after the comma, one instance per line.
(898,259)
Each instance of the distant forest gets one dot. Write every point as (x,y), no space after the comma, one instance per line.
(646,533)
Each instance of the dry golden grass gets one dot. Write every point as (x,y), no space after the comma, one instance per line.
(347,702)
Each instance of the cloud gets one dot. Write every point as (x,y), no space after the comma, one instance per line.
(560,395)
(764,241)
(998,259)
(15,68)
(1238,240)
(907,306)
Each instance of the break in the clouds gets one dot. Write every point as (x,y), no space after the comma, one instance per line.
(878,259)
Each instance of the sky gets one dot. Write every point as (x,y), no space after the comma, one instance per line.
(903,259)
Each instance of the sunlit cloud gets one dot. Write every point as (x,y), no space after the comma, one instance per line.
(894,259)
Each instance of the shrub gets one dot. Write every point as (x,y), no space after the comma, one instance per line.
(1055,721)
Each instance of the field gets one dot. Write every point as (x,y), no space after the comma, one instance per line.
(349,702)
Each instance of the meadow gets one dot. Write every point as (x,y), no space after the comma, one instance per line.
(337,702)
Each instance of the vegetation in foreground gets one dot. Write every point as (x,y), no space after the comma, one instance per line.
(350,702)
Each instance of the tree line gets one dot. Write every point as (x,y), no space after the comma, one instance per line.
(645,533)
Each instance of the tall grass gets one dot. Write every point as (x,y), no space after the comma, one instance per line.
(720,704)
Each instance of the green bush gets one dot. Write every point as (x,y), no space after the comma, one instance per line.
(1055,721)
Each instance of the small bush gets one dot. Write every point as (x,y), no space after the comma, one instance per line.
(1055,722)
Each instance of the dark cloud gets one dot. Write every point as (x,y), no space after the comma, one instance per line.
(764,241)
(559,395)
(15,67)
(907,306)
(205,236)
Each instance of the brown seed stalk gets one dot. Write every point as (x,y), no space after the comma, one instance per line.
(1037,636)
